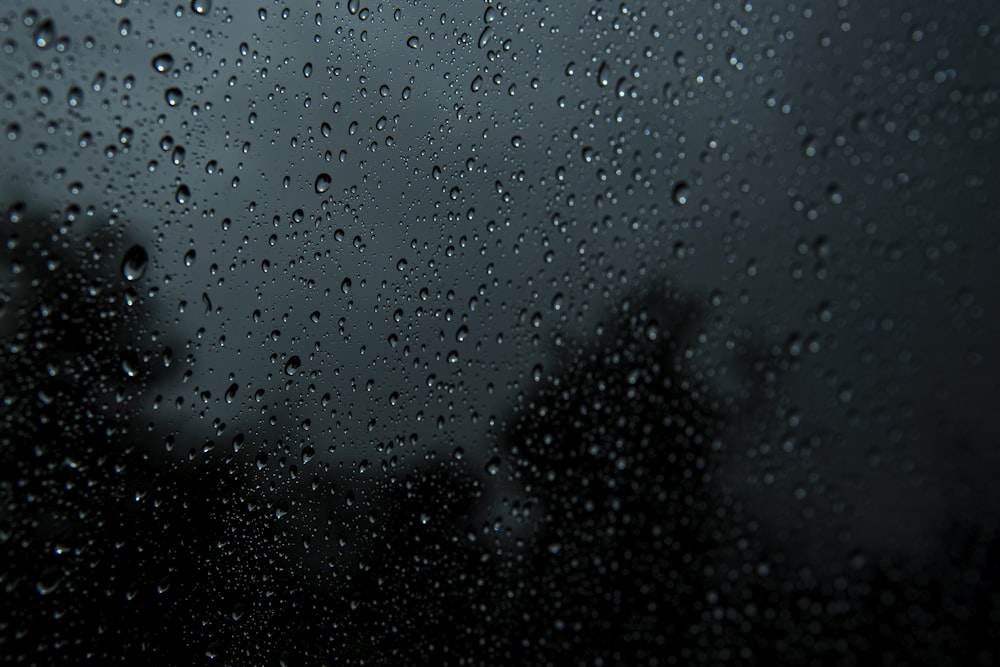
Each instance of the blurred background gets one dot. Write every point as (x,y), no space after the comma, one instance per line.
(574,333)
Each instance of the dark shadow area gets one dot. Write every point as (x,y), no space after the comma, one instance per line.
(113,550)
(638,550)
(647,555)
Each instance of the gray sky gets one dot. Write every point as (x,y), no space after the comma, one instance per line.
(820,173)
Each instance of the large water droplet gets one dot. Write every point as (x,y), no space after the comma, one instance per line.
(48,581)
(413,42)
(681,194)
(345,286)
(45,34)
(292,365)
(201,6)
(74,97)
(173,96)
(493,466)
(163,63)
(130,364)
(603,75)
(323,182)
(134,262)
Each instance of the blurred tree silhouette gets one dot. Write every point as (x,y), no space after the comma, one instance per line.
(78,493)
(646,555)
(638,551)
(108,551)
(112,551)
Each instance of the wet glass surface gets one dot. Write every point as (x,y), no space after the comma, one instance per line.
(489,334)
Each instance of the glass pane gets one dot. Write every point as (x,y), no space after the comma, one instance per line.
(479,333)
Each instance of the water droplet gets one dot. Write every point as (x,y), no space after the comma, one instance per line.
(231,392)
(323,182)
(98,82)
(173,96)
(603,75)
(183,194)
(45,34)
(48,581)
(130,364)
(484,36)
(413,42)
(345,286)
(834,194)
(74,97)
(292,365)
(201,6)
(681,193)
(493,466)
(163,63)
(135,262)
(809,148)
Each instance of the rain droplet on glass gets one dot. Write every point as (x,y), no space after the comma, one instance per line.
(134,263)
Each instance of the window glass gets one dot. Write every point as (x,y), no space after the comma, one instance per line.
(487,333)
